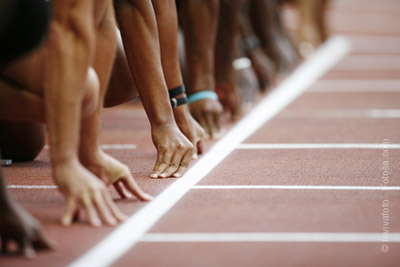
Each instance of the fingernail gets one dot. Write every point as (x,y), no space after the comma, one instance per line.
(195,156)
(65,222)
(154,175)
(176,175)
(30,253)
(113,221)
(147,197)
(163,175)
(123,218)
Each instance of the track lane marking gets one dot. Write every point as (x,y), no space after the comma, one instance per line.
(111,146)
(297,187)
(129,233)
(228,187)
(32,186)
(318,146)
(369,63)
(344,114)
(355,86)
(270,237)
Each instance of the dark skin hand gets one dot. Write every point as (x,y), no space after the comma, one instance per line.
(312,29)
(262,65)
(208,113)
(19,226)
(264,68)
(167,23)
(138,24)
(267,23)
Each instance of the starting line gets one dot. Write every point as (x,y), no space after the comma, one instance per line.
(270,237)
(297,187)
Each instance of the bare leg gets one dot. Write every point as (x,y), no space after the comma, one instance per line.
(121,87)
(21,141)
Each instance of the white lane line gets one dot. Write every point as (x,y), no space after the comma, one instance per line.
(32,186)
(270,237)
(318,146)
(368,44)
(112,146)
(370,63)
(355,86)
(130,232)
(298,187)
(342,114)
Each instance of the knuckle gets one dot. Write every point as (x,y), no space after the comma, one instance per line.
(173,165)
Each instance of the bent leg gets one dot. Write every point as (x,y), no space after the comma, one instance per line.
(121,87)
(21,141)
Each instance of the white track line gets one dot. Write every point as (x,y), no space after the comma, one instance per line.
(344,114)
(355,86)
(130,232)
(298,187)
(113,146)
(369,63)
(270,237)
(318,146)
(32,186)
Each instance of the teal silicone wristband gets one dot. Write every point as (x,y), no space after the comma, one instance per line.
(203,95)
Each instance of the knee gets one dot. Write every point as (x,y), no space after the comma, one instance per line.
(21,141)
(92,93)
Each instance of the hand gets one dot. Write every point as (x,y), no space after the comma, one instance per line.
(263,67)
(174,151)
(190,128)
(112,171)
(84,191)
(208,113)
(18,225)
(230,98)
(282,52)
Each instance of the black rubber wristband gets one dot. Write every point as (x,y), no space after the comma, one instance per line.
(176,102)
(250,43)
(177,91)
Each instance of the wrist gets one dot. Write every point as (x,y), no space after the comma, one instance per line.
(181,113)
(203,82)
(63,164)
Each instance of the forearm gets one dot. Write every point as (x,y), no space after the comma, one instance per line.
(140,37)
(167,23)
(265,19)
(228,32)
(199,23)
(69,54)
(105,54)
